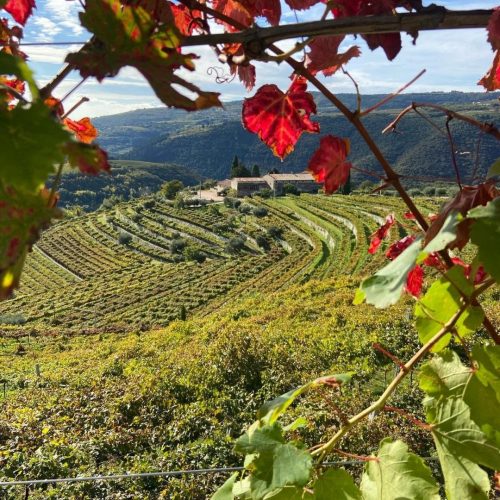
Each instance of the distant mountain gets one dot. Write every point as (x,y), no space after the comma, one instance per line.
(128,179)
(205,142)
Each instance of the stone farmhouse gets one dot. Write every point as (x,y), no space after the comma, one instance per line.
(245,186)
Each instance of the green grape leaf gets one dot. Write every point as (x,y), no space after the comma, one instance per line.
(463,478)
(451,392)
(385,287)
(22,216)
(494,169)
(336,484)
(271,410)
(438,306)
(444,375)
(296,424)
(290,493)
(34,136)
(485,233)
(241,489)
(259,439)
(12,65)
(225,492)
(446,235)
(145,37)
(483,387)
(396,473)
(285,466)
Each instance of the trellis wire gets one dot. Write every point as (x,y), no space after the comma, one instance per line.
(138,475)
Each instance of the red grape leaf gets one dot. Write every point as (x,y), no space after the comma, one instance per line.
(415,281)
(391,42)
(491,81)
(324,54)
(245,71)
(245,11)
(89,159)
(328,163)
(270,9)
(280,118)
(381,233)
(83,129)
(301,4)
(397,248)
(186,20)
(235,10)
(494,29)
(9,39)
(15,84)
(480,272)
(246,74)
(22,216)
(55,105)
(143,36)
(466,199)
(20,10)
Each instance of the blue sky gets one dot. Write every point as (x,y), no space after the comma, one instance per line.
(454,60)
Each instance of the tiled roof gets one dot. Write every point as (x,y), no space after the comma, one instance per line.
(248,179)
(304,176)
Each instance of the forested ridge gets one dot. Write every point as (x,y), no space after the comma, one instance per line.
(198,142)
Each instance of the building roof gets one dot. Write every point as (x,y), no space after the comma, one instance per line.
(303,176)
(249,179)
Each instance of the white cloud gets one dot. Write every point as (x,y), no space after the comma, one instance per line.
(66,14)
(49,54)
(49,29)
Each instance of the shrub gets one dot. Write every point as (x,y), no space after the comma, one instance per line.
(245,208)
(193,253)
(260,211)
(415,192)
(148,203)
(429,191)
(275,231)
(290,189)
(178,245)
(262,242)
(235,245)
(124,238)
(12,319)
(265,193)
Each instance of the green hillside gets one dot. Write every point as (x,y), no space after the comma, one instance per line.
(206,142)
(138,264)
(128,179)
(145,337)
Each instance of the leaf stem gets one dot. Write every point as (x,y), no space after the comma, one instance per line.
(393,95)
(78,104)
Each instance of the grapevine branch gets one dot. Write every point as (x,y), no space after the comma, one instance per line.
(430,20)
(393,95)
(380,403)
(488,128)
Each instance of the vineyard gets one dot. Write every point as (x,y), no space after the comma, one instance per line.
(128,267)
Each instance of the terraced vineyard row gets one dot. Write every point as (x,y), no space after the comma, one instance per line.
(84,274)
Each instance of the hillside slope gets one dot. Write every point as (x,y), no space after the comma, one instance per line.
(206,142)
(177,398)
(141,263)
(128,179)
